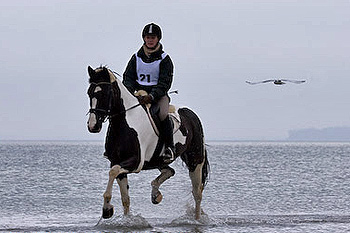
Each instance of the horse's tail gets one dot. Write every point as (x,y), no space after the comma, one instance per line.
(206,168)
(198,147)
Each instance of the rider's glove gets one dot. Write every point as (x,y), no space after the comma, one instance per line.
(147,99)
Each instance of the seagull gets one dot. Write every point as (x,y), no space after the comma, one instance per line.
(277,81)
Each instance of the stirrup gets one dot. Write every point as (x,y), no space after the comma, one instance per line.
(169,155)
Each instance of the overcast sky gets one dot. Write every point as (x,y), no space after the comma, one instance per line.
(215,45)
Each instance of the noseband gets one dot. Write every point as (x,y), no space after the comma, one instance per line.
(102,114)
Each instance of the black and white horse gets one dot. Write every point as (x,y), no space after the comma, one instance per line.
(132,143)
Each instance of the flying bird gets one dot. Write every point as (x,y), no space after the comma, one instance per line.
(277,81)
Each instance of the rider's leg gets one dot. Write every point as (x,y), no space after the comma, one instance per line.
(163,104)
(168,139)
(166,128)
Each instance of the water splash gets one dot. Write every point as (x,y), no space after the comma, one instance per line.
(135,222)
(189,218)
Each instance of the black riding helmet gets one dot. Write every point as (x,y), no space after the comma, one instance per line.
(152,30)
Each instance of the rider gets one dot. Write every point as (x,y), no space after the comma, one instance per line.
(151,69)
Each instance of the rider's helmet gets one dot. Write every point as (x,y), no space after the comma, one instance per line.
(152,30)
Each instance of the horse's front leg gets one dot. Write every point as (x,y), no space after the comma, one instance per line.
(165,173)
(124,192)
(107,210)
(197,189)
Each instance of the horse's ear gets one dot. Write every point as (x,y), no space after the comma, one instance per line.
(105,70)
(91,71)
(107,73)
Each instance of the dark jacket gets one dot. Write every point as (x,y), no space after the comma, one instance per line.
(165,74)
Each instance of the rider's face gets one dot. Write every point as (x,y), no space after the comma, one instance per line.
(151,41)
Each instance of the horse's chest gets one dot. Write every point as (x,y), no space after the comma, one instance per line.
(146,135)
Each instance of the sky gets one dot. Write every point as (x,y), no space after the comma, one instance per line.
(216,45)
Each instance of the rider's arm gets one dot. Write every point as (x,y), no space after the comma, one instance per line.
(165,78)
(130,76)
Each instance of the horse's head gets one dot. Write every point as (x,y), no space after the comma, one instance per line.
(101,94)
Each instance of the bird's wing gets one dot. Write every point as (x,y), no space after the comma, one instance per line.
(294,81)
(265,81)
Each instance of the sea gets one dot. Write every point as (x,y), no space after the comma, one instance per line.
(58,186)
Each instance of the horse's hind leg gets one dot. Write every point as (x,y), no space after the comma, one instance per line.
(124,192)
(107,210)
(197,188)
(165,173)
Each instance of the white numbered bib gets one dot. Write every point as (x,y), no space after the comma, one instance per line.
(148,73)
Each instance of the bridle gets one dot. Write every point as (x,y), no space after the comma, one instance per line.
(103,114)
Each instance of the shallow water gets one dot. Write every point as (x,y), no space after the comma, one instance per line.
(253,187)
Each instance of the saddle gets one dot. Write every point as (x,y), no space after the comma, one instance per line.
(152,112)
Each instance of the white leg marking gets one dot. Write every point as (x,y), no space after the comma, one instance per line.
(164,175)
(197,188)
(124,192)
(156,195)
(113,173)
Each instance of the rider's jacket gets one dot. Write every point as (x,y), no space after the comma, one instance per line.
(153,73)
(148,72)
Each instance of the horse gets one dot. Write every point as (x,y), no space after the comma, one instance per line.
(132,143)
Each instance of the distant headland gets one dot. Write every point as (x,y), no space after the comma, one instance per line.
(324,134)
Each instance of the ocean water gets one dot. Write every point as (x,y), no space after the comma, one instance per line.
(57,186)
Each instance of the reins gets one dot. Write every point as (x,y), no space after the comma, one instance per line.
(136,105)
(107,113)
(124,111)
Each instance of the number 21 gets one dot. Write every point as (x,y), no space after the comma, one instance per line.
(143,76)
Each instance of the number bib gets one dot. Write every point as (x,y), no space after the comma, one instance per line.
(148,73)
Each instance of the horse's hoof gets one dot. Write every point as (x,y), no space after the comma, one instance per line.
(107,213)
(156,199)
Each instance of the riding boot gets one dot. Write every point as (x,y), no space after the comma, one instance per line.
(169,152)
